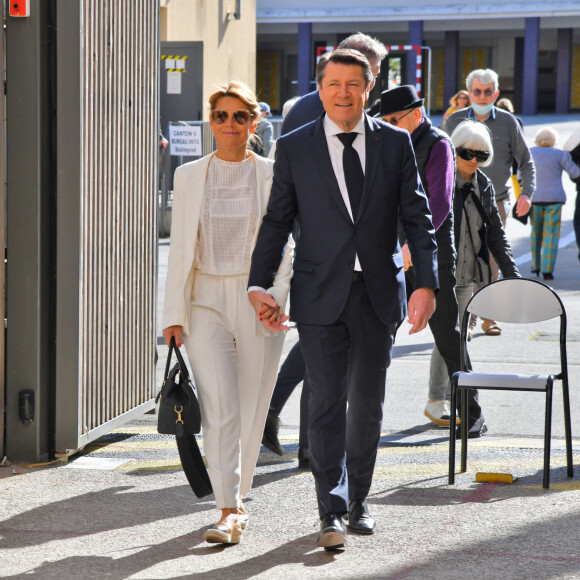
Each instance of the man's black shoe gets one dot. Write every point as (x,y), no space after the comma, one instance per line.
(359,518)
(270,437)
(332,533)
(303,458)
(476,428)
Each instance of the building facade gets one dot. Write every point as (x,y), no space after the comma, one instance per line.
(226,31)
(534,46)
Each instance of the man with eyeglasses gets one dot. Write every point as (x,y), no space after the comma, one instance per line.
(401,107)
(508,144)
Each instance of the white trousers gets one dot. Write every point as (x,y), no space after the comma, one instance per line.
(235,370)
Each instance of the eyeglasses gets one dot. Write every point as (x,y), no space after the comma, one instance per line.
(467,154)
(241,116)
(487,92)
(394,121)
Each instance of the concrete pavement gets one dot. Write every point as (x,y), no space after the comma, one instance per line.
(122,508)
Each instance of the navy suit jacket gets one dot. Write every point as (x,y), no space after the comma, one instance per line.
(305,110)
(305,188)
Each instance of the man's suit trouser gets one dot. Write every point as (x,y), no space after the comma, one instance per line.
(293,372)
(346,360)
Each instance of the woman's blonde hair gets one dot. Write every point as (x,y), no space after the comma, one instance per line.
(546,137)
(473,134)
(453,99)
(238,90)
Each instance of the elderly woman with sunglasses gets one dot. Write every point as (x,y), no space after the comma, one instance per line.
(478,232)
(218,205)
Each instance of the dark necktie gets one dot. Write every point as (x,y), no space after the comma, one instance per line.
(353,171)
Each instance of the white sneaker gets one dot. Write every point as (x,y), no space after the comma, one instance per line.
(440,413)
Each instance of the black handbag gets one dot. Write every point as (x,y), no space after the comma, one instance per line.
(179,415)
(178,405)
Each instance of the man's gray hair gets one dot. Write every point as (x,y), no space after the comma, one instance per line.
(372,48)
(473,134)
(484,76)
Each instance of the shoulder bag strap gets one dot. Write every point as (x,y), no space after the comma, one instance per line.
(189,453)
(193,465)
(477,263)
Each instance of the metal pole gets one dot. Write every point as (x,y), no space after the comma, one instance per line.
(29,239)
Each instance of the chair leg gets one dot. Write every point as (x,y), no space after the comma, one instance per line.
(567,426)
(548,433)
(464,426)
(452,431)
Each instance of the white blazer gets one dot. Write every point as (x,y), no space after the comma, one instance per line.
(188,188)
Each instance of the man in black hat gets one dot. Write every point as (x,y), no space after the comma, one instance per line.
(435,156)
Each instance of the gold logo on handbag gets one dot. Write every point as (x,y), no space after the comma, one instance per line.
(178,411)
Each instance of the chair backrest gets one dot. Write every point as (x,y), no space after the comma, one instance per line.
(516,300)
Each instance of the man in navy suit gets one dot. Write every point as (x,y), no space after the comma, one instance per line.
(348,289)
(305,110)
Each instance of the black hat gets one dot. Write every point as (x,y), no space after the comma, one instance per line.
(399,99)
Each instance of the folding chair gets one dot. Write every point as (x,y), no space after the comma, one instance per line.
(513,300)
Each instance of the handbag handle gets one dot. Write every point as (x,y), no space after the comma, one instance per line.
(182,366)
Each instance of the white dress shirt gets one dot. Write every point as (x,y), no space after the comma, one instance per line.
(335,149)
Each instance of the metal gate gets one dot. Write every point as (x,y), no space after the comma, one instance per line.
(106,215)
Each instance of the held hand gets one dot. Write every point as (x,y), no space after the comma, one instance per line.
(172,331)
(268,310)
(276,324)
(406,257)
(523,205)
(421,308)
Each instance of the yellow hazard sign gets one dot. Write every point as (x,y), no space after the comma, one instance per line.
(174,63)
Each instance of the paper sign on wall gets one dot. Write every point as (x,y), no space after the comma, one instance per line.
(185,140)
(174,83)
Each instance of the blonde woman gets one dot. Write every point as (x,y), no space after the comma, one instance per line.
(458,101)
(218,205)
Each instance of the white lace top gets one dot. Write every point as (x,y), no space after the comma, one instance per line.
(228,218)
